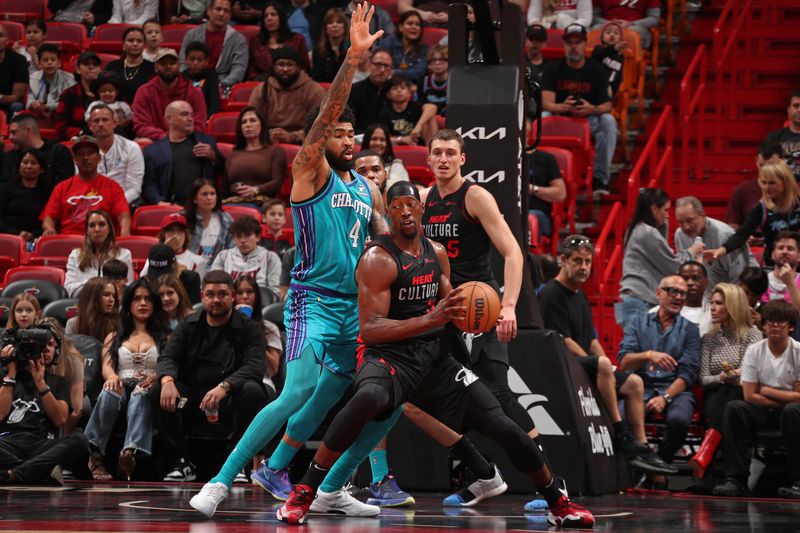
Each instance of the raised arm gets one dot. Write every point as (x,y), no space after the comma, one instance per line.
(310,168)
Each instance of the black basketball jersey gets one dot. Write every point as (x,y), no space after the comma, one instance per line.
(416,289)
(446,221)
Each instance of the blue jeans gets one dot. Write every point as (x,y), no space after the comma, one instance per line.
(604,132)
(139,434)
(677,418)
(629,306)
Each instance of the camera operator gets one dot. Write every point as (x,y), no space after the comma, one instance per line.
(34,406)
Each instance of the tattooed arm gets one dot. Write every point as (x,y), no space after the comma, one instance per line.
(377,224)
(310,169)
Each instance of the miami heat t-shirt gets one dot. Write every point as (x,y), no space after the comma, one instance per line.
(72,200)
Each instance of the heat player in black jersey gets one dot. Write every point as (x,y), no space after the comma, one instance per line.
(464,218)
(405,298)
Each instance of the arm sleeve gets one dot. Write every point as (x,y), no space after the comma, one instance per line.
(689,361)
(630,339)
(253,364)
(219,261)
(751,223)
(198,102)
(241,55)
(135,175)
(170,361)
(706,378)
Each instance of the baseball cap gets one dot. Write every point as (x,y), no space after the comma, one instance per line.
(575,29)
(88,55)
(160,261)
(173,218)
(84,140)
(161,53)
(536,32)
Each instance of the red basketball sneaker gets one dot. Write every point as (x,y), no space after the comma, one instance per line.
(296,507)
(567,513)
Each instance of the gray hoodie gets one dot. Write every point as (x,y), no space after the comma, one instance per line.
(647,260)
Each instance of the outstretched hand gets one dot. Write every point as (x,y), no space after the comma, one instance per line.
(360,37)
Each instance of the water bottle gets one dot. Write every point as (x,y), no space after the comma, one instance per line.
(698,240)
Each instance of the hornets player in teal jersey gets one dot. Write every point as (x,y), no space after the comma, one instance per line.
(334,211)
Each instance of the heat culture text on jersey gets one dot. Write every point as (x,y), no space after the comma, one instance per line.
(437,226)
(423,287)
(339,200)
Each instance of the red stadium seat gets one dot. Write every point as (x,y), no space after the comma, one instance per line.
(22,10)
(173,35)
(222,126)
(71,37)
(54,250)
(248,30)
(574,135)
(108,38)
(432,36)
(289,218)
(238,211)
(240,95)
(415,159)
(147,219)
(15,31)
(226,149)
(45,273)
(12,252)
(558,215)
(139,245)
(286,189)
(390,6)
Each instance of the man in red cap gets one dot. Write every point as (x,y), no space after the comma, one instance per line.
(73,198)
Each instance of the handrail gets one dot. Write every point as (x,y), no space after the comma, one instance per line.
(610,264)
(691,101)
(724,46)
(660,166)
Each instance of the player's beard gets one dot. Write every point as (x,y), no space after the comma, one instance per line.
(337,163)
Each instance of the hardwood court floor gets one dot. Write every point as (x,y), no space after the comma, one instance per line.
(141,507)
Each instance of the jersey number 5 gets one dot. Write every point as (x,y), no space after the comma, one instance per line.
(355,233)
(452,248)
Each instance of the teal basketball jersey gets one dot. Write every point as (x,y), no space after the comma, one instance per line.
(330,231)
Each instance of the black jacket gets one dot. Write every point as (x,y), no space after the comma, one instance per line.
(239,347)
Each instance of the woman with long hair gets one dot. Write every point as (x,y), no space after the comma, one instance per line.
(132,67)
(721,354)
(648,257)
(274,33)
(207,221)
(377,138)
(25,311)
(99,246)
(409,53)
(174,300)
(778,210)
(256,169)
(98,310)
(24,196)
(332,45)
(129,369)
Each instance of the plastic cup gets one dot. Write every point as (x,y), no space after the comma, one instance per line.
(212,415)
(246,310)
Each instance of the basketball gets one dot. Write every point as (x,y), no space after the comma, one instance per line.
(483,307)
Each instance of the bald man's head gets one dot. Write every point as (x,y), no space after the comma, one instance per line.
(671,294)
(179,117)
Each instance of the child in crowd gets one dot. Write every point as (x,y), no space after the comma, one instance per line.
(47,83)
(409,122)
(248,257)
(116,272)
(434,86)
(609,53)
(175,233)
(25,311)
(35,34)
(108,87)
(152,39)
(274,237)
(201,76)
